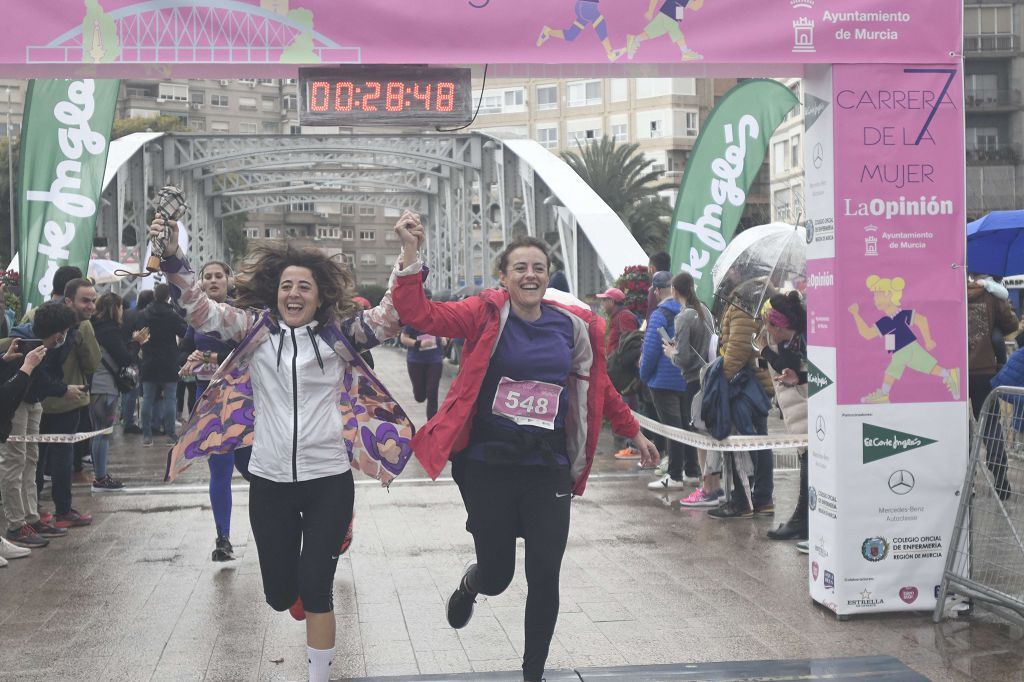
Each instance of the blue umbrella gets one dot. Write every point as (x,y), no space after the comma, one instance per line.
(995,244)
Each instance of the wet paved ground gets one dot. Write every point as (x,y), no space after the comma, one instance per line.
(135,596)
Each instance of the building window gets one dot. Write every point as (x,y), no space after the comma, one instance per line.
(367,211)
(268,103)
(584,93)
(219,126)
(294,129)
(290,102)
(692,123)
(367,235)
(794,152)
(780,157)
(302,206)
(172,93)
(781,203)
(348,234)
(197,97)
(620,132)
(584,136)
(219,100)
(270,127)
(266,81)
(349,259)
(247,103)
(197,124)
(367,259)
(251,232)
(328,232)
(247,127)
(490,103)
(348,209)
(514,98)
(547,97)
(548,137)
(983,139)
(269,233)
(657,128)
(620,89)
(390,236)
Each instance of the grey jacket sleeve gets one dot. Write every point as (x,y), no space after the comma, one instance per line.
(686,358)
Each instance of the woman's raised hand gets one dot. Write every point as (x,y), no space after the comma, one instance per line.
(156,231)
(411,234)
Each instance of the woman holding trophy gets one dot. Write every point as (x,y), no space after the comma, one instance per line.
(296,389)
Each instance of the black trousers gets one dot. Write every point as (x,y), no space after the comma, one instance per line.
(425,377)
(298,528)
(504,502)
(674,410)
(60,458)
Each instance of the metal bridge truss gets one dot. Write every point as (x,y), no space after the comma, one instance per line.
(474,194)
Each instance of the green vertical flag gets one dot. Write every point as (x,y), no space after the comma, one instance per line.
(64,144)
(720,170)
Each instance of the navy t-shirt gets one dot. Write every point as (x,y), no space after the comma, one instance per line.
(539,351)
(432,356)
(899,326)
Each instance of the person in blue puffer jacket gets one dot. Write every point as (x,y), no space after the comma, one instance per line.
(667,385)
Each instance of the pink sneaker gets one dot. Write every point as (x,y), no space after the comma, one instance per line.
(701,499)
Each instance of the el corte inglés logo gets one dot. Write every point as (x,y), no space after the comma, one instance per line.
(880,442)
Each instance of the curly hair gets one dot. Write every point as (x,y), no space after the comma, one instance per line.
(259,278)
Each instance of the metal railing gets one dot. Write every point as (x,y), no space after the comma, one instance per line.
(985,562)
(982,98)
(998,154)
(990,42)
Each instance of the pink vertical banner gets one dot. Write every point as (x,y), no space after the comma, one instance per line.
(900,227)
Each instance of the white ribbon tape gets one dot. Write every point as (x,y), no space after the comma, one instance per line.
(730,444)
(59,437)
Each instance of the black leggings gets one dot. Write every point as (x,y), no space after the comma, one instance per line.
(504,502)
(298,528)
(426,377)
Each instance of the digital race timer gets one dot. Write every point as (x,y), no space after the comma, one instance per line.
(384,95)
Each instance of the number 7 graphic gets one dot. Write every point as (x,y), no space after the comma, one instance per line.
(951,74)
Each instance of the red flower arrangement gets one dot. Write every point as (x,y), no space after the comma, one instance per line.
(635,282)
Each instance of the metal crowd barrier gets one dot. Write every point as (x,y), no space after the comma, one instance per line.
(985,562)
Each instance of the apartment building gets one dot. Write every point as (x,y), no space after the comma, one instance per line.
(661,115)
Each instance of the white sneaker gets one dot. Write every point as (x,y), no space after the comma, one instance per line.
(9,550)
(665,483)
(3,562)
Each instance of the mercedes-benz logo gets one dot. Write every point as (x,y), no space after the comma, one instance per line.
(901,482)
(819,428)
(818,156)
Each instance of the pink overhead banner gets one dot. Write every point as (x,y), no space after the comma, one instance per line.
(186,36)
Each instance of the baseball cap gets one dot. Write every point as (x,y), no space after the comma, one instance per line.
(662,280)
(614,294)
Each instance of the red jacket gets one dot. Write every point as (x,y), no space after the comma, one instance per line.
(479,321)
(622,322)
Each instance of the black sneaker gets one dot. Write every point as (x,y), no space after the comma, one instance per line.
(132,428)
(107,484)
(47,530)
(460,604)
(731,511)
(224,550)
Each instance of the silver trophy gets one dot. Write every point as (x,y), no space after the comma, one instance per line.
(170,206)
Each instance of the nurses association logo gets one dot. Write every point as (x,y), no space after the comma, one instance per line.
(875,549)
(812,498)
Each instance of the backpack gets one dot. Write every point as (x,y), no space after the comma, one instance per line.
(623,363)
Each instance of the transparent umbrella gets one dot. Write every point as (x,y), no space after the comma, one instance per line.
(757,263)
(103,271)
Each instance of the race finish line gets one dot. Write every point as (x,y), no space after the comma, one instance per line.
(60,437)
(730,444)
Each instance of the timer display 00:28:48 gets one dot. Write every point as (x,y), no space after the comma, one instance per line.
(394,96)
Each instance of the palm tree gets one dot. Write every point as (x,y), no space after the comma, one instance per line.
(623,178)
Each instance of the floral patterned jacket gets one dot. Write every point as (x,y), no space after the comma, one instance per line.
(376,430)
